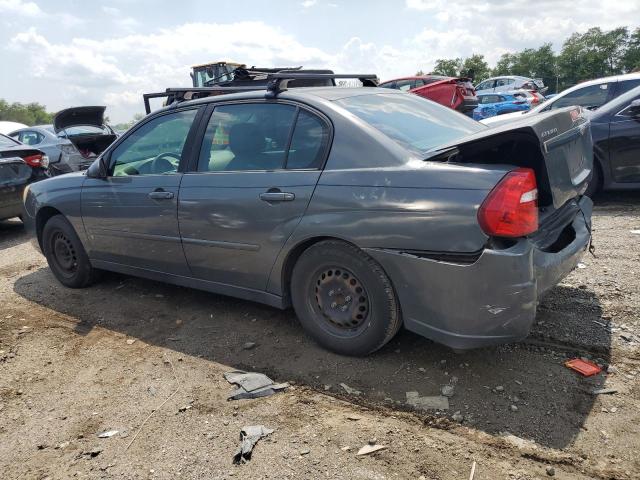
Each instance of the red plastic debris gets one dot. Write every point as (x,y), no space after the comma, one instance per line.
(584,367)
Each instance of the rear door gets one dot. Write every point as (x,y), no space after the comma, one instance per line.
(624,147)
(131,217)
(258,165)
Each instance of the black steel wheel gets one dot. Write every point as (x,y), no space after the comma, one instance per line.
(65,254)
(343,298)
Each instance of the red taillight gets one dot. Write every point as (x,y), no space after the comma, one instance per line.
(33,160)
(511,208)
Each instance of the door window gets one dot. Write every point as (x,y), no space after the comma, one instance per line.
(405,85)
(388,85)
(485,85)
(249,136)
(309,141)
(625,85)
(156,147)
(591,97)
(485,99)
(30,138)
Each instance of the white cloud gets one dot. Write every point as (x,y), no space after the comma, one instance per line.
(118,69)
(309,3)
(19,7)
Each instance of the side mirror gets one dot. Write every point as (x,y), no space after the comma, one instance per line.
(99,168)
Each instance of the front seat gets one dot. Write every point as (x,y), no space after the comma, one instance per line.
(247,142)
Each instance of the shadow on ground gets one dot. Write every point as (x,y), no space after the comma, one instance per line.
(551,402)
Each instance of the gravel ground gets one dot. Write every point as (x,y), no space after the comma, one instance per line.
(146,359)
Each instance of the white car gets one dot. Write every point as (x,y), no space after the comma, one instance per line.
(589,95)
(509,82)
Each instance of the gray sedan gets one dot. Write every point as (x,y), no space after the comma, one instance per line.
(61,152)
(363,208)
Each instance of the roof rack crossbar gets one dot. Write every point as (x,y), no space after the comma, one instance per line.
(276,83)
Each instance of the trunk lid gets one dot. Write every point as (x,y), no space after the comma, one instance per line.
(76,116)
(557,145)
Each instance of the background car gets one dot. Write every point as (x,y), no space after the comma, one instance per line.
(78,135)
(6,126)
(63,156)
(453,92)
(20,165)
(510,82)
(491,104)
(615,128)
(590,95)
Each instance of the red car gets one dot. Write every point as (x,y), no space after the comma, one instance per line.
(454,92)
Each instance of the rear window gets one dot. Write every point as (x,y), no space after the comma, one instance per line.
(84,130)
(7,142)
(415,123)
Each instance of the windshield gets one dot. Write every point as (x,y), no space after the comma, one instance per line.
(415,123)
(7,142)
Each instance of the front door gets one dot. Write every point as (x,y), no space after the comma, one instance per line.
(131,216)
(257,169)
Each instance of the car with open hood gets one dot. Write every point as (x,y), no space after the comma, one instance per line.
(366,209)
(86,135)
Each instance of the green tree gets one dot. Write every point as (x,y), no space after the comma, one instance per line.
(127,125)
(631,57)
(29,114)
(448,67)
(475,67)
(592,54)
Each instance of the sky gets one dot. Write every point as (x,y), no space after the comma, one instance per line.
(64,53)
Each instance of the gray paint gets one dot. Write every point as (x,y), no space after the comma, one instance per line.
(217,234)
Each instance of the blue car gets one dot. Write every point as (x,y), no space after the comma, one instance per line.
(492,104)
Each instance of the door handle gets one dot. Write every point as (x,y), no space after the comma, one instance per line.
(160,195)
(277,197)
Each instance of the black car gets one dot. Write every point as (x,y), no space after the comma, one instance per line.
(20,165)
(616,140)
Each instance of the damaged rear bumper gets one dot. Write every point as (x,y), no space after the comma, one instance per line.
(492,300)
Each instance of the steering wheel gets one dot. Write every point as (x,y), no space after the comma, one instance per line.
(160,164)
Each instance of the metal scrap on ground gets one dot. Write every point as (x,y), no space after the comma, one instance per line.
(438,402)
(252,385)
(249,436)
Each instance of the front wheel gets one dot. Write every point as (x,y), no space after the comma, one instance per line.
(344,299)
(65,254)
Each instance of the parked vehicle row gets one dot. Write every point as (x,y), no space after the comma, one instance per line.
(364,208)
(590,95)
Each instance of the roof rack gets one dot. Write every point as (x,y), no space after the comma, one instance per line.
(276,83)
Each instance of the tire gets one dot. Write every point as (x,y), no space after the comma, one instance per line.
(65,254)
(594,181)
(343,299)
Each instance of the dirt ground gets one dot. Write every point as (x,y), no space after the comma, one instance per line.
(147,359)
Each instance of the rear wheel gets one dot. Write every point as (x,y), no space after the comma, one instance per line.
(65,254)
(343,299)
